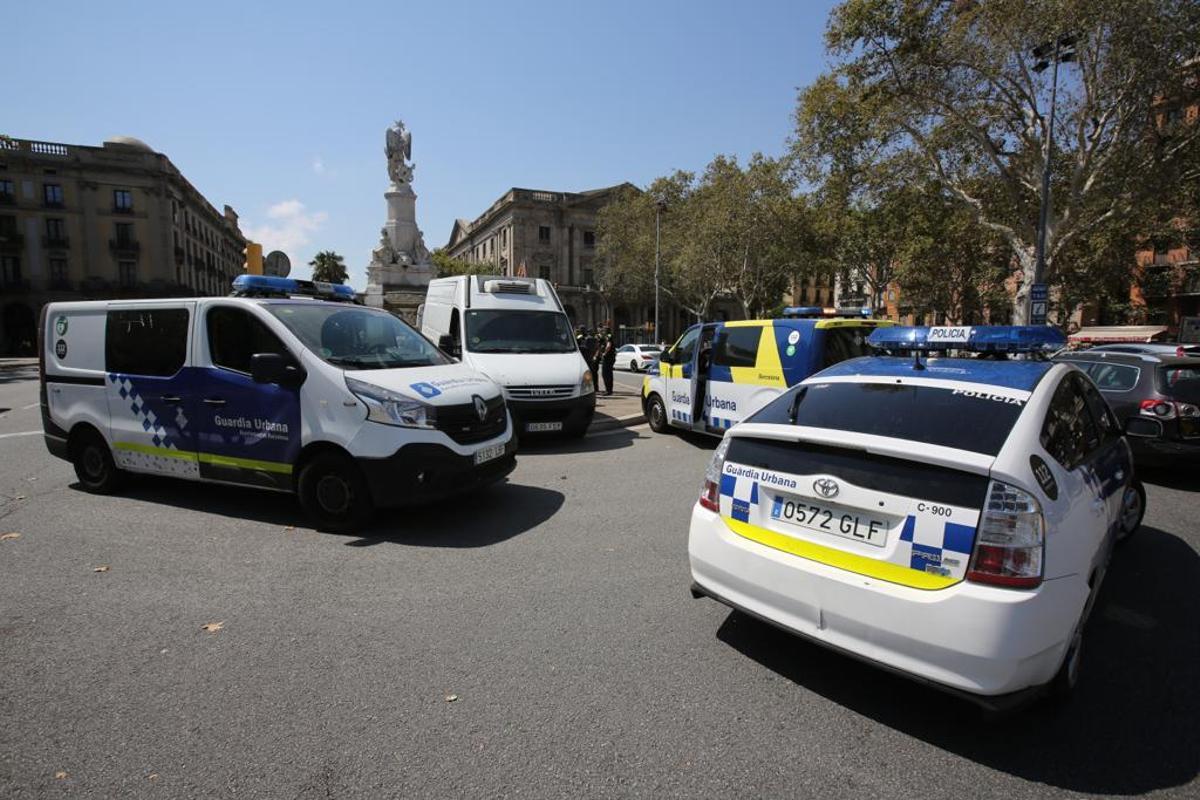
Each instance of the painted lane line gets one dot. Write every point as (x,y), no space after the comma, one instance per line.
(20,433)
(31,405)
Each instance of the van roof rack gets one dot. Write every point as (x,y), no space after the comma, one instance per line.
(272,286)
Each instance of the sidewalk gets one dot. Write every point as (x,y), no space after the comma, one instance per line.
(621,410)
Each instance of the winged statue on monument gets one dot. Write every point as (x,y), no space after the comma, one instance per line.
(398,149)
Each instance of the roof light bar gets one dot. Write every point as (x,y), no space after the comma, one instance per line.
(272,286)
(978,339)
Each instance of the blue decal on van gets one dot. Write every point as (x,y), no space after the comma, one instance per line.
(426,389)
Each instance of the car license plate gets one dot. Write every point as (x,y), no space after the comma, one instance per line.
(539,427)
(488,454)
(835,520)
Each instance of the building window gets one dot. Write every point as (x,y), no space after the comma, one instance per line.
(588,279)
(7,192)
(8,225)
(127,273)
(10,269)
(543,233)
(52,195)
(122,200)
(58,272)
(124,233)
(544,273)
(892,296)
(589,239)
(56,232)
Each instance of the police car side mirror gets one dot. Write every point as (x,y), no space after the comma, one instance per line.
(665,356)
(275,368)
(448,344)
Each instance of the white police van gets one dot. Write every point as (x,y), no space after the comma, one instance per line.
(347,406)
(515,331)
(947,518)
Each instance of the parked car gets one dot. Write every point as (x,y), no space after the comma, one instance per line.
(1155,397)
(1152,348)
(637,357)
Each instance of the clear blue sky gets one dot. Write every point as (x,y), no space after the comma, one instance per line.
(279,108)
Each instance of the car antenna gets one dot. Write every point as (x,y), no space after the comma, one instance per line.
(917,360)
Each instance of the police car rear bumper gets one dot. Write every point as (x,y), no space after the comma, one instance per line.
(992,645)
(423,472)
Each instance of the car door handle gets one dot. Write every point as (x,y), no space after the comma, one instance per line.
(1120,475)
(214,401)
(171,398)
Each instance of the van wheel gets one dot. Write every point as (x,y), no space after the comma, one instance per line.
(94,465)
(656,414)
(334,494)
(1133,508)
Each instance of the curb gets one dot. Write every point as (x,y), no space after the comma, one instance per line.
(611,423)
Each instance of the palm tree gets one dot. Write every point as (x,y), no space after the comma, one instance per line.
(329,267)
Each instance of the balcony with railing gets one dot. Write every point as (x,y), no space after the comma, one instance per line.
(125,247)
(56,241)
(11,240)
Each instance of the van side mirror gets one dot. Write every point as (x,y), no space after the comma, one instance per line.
(448,344)
(275,368)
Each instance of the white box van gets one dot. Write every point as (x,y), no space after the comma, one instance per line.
(515,331)
(346,406)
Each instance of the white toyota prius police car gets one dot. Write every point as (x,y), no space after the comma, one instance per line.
(347,406)
(947,518)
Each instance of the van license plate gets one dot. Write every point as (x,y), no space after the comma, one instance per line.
(488,454)
(836,520)
(538,427)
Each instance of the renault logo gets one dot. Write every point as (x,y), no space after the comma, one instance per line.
(826,487)
(481,409)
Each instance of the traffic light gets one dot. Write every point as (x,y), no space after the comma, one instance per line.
(252,258)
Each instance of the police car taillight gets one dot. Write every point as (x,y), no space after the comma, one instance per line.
(710,492)
(1011,540)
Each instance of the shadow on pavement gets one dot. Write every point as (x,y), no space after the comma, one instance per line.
(1132,727)
(488,516)
(1185,479)
(601,441)
(18,374)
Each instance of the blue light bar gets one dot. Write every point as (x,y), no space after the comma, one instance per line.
(803,311)
(977,339)
(272,286)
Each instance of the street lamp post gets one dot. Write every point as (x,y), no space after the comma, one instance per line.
(658,208)
(1047,54)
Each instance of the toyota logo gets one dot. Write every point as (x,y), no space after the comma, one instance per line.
(826,487)
(481,409)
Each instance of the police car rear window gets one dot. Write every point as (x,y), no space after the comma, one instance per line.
(974,420)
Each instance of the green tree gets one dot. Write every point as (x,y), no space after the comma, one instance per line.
(925,89)
(329,267)
(447,266)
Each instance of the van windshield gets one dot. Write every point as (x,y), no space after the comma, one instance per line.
(506,331)
(357,338)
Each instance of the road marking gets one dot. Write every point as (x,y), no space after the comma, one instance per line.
(21,433)
(31,405)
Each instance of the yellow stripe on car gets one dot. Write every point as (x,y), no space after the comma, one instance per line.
(860,565)
(206,458)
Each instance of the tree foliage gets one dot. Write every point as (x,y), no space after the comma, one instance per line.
(946,91)
(329,267)
(447,266)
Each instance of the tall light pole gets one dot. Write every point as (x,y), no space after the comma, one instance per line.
(659,205)
(1062,49)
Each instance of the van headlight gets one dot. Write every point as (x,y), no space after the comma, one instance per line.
(390,408)
(585,383)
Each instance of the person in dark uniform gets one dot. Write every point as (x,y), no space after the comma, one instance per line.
(609,360)
(587,347)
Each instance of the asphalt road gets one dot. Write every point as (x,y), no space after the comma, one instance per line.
(555,609)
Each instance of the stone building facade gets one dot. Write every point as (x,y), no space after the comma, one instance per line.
(91,223)
(551,235)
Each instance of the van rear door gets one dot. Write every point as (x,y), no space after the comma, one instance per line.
(150,388)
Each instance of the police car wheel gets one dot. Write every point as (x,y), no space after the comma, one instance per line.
(333,493)
(656,414)
(94,465)
(1064,683)
(1133,508)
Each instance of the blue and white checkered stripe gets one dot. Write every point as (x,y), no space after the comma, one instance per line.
(929,544)
(720,422)
(738,494)
(681,416)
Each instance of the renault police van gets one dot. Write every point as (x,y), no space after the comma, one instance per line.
(515,331)
(719,373)
(950,519)
(346,406)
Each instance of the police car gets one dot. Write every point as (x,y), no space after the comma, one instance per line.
(947,518)
(718,373)
(284,386)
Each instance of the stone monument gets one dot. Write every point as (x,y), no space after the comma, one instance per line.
(400,267)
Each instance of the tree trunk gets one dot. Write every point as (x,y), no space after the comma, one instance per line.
(1027,263)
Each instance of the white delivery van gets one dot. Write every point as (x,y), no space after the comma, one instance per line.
(514,330)
(346,406)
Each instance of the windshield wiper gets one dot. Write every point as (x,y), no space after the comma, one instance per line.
(794,408)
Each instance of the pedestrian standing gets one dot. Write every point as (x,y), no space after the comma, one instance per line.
(588,349)
(609,361)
